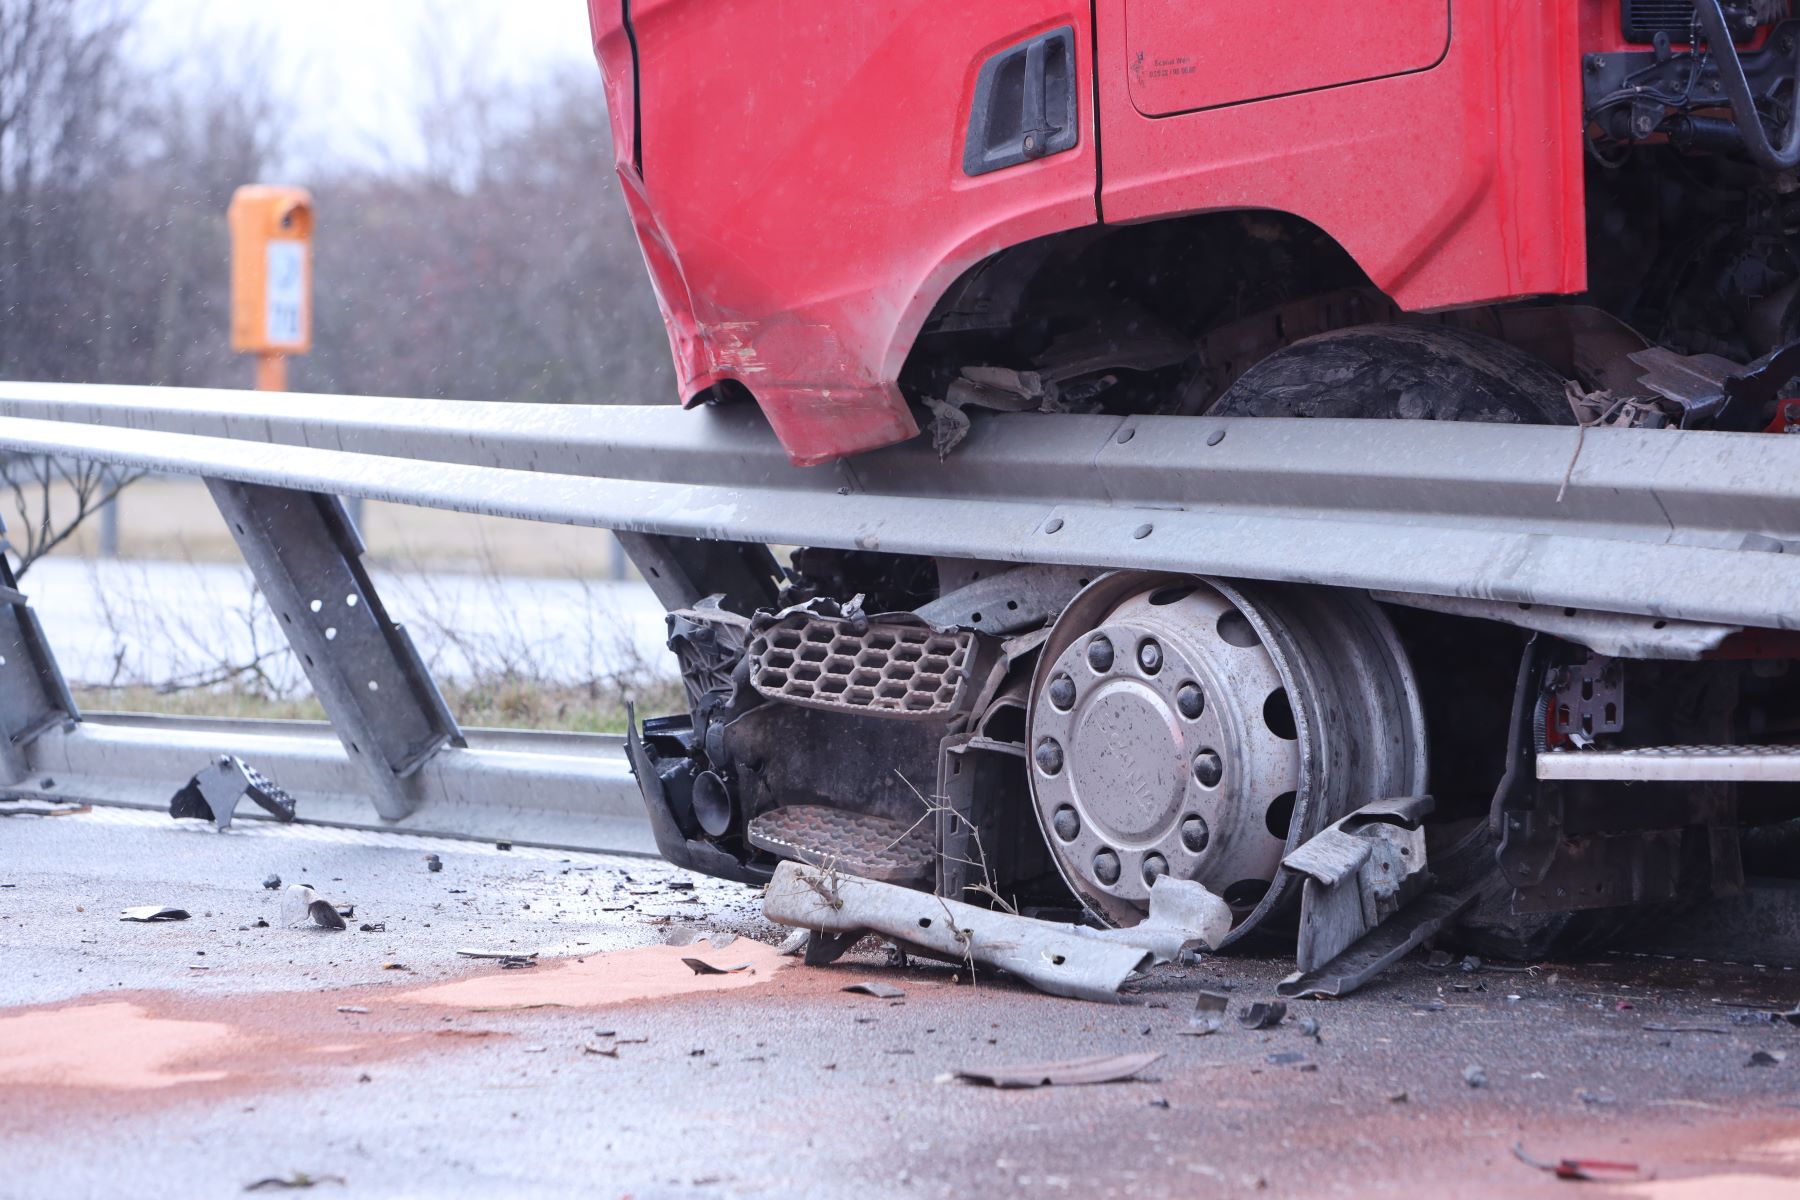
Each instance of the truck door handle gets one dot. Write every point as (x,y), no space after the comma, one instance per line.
(1024,104)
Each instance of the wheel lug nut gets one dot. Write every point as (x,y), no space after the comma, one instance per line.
(1208,768)
(1154,865)
(1062,692)
(1150,656)
(1194,834)
(1100,654)
(1190,700)
(1067,823)
(1106,867)
(1049,756)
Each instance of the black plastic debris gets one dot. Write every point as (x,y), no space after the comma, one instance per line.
(433,863)
(272,882)
(875,988)
(299,1179)
(373,927)
(213,793)
(1475,1076)
(1765,1058)
(700,966)
(1263,1014)
(153,912)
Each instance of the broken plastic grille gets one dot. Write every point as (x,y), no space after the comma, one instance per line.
(907,670)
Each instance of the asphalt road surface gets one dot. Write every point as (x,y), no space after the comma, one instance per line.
(197,1058)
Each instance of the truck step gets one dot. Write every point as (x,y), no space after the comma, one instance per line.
(857,843)
(1668,764)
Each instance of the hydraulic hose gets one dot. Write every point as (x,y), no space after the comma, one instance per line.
(1737,88)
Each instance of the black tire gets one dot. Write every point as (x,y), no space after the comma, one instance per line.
(1428,372)
(1387,372)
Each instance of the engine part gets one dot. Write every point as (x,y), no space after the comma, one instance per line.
(1190,728)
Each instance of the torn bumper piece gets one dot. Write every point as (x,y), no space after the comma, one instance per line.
(213,793)
(1063,960)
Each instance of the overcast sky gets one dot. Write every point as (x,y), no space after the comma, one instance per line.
(352,69)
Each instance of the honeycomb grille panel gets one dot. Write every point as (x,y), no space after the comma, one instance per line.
(901,669)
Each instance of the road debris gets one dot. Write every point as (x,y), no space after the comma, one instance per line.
(272,882)
(1263,1014)
(153,912)
(502,955)
(875,988)
(214,792)
(1064,960)
(700,966)
(372,927)
(1765,1058)
(1653,1028)
(300,903)
(1209,1014)
(689,936)
(299,1179)
(1475,1075)
(1591,1170)
(602,1051)
(1104,1068)
(351,1008)
(42,808)
(433,863)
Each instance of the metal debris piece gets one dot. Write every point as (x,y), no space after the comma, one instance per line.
(700,966)
(153,912)
(1475,1076)
(500,954)
(1592,1170)
(602,1051)
(213,794)
(352,1008)
(272,882)
(875,988)
(1384,946)
(300,903)
(373,927)
(1105,1068)
(1360,870)
(433,863)
(1264,1014)
(1064,960)
(794,943)
(1209,1013)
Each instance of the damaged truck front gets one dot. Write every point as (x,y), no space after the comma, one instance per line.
(1186,232)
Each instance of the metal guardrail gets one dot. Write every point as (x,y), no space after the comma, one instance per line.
(563,790)
(1669,525)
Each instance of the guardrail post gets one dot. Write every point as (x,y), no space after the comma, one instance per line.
(381,701)
(33,695)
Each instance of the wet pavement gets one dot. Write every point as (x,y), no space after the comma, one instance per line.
(195,1058)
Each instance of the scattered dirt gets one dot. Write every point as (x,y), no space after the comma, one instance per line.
(646,973)
(115,1046)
